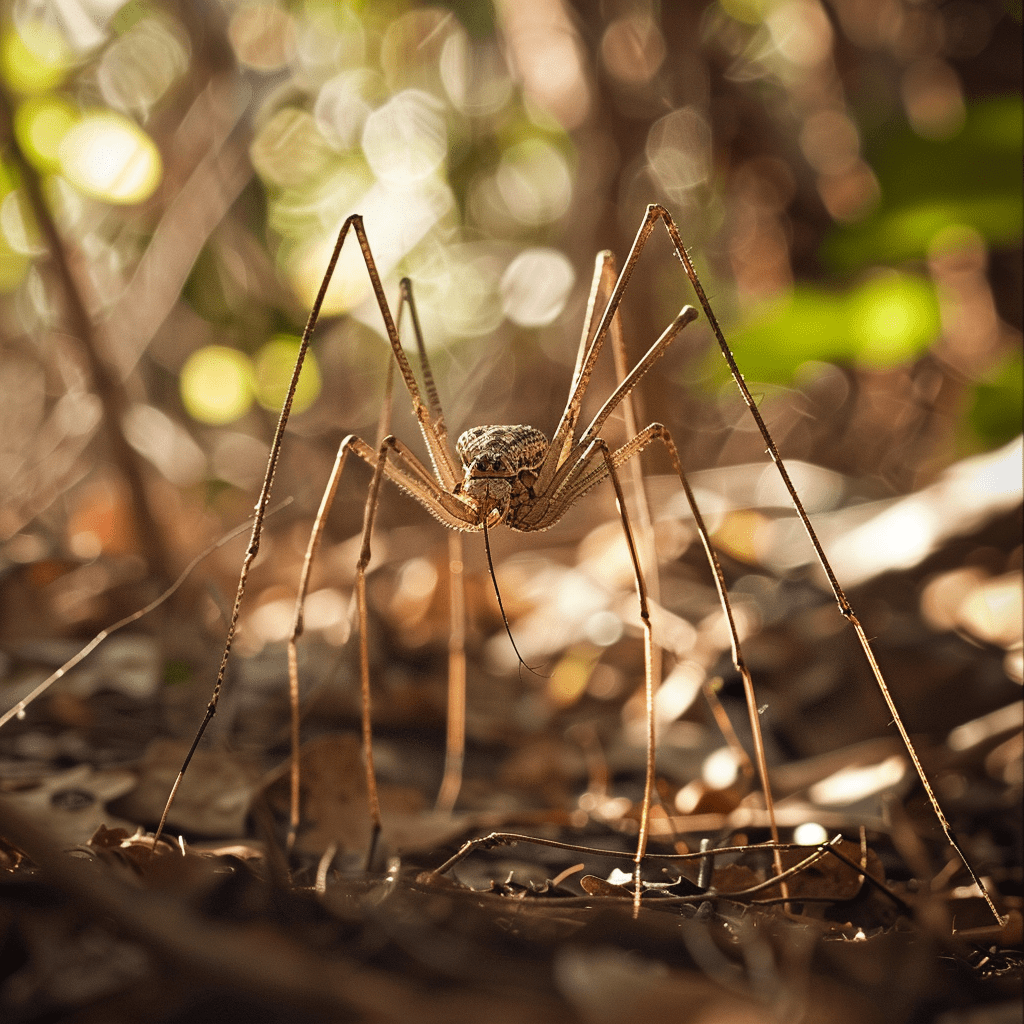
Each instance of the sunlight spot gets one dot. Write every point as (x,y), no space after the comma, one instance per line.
(216,384)
(679,151)
(810,833)
(801,32)
(1005,719)
(603,628)
(678,691)
(274,365)
(86,545)
(110,157)
(721,768)
(324,608)
(535,287)
(417,579)
(848,785)
(406,140)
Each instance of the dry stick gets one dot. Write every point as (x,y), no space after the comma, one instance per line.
(18,710)
(494,839)
(841,599)
(257,526)
(107,383)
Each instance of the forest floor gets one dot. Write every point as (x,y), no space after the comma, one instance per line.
(218,923)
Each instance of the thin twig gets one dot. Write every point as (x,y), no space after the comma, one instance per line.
(18,710)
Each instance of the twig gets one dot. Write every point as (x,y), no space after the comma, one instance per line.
(107,383)
(18,710)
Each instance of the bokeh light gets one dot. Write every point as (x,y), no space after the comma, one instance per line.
(405,140)
(41,124)
(535,287)
(110,157)
(217,385)
(273,366)
(35,56)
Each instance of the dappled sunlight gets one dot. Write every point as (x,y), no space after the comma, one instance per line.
(911,528)
(535,287)
(405,579)
(848,785)
(110,157)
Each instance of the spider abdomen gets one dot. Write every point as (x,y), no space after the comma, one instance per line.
(501,451)
(500,464)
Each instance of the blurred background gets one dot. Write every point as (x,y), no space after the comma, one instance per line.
(847,176)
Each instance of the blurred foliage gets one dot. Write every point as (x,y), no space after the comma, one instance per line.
(890,319)
(996,401)
(847,177)
(929,185)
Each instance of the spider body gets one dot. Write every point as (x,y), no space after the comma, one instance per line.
(501,464)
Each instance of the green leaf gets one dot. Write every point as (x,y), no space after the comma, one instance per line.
(972,179)
(997,401)
(889,319)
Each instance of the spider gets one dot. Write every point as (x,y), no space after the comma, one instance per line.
(507,474)
(514,475)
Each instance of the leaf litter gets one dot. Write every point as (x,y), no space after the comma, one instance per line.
(222,924)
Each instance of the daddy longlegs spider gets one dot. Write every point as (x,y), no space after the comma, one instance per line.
(513,475)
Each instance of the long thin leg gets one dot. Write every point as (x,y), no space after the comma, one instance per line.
(297,627)
(369,513)
(569,474)
(427,492)
(433,401)
(645,619)
(654,213)
(737,652)
(257,525)
(455,729)
(648,550)
(440,454)
(405,470)
(455,740)
(611,461)
(557,457)
(597,300)
(319,523)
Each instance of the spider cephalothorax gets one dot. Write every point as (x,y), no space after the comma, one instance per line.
(500,465)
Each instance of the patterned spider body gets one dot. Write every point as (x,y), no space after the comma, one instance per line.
(501,464)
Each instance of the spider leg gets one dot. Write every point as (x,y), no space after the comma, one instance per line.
(599,445)
(573,465)
(655,213)
(642,510)
(576,488)
(455,733)
(455,739)
(440,454)
(600,287)
(436,444)
(581,379)
(407,472)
